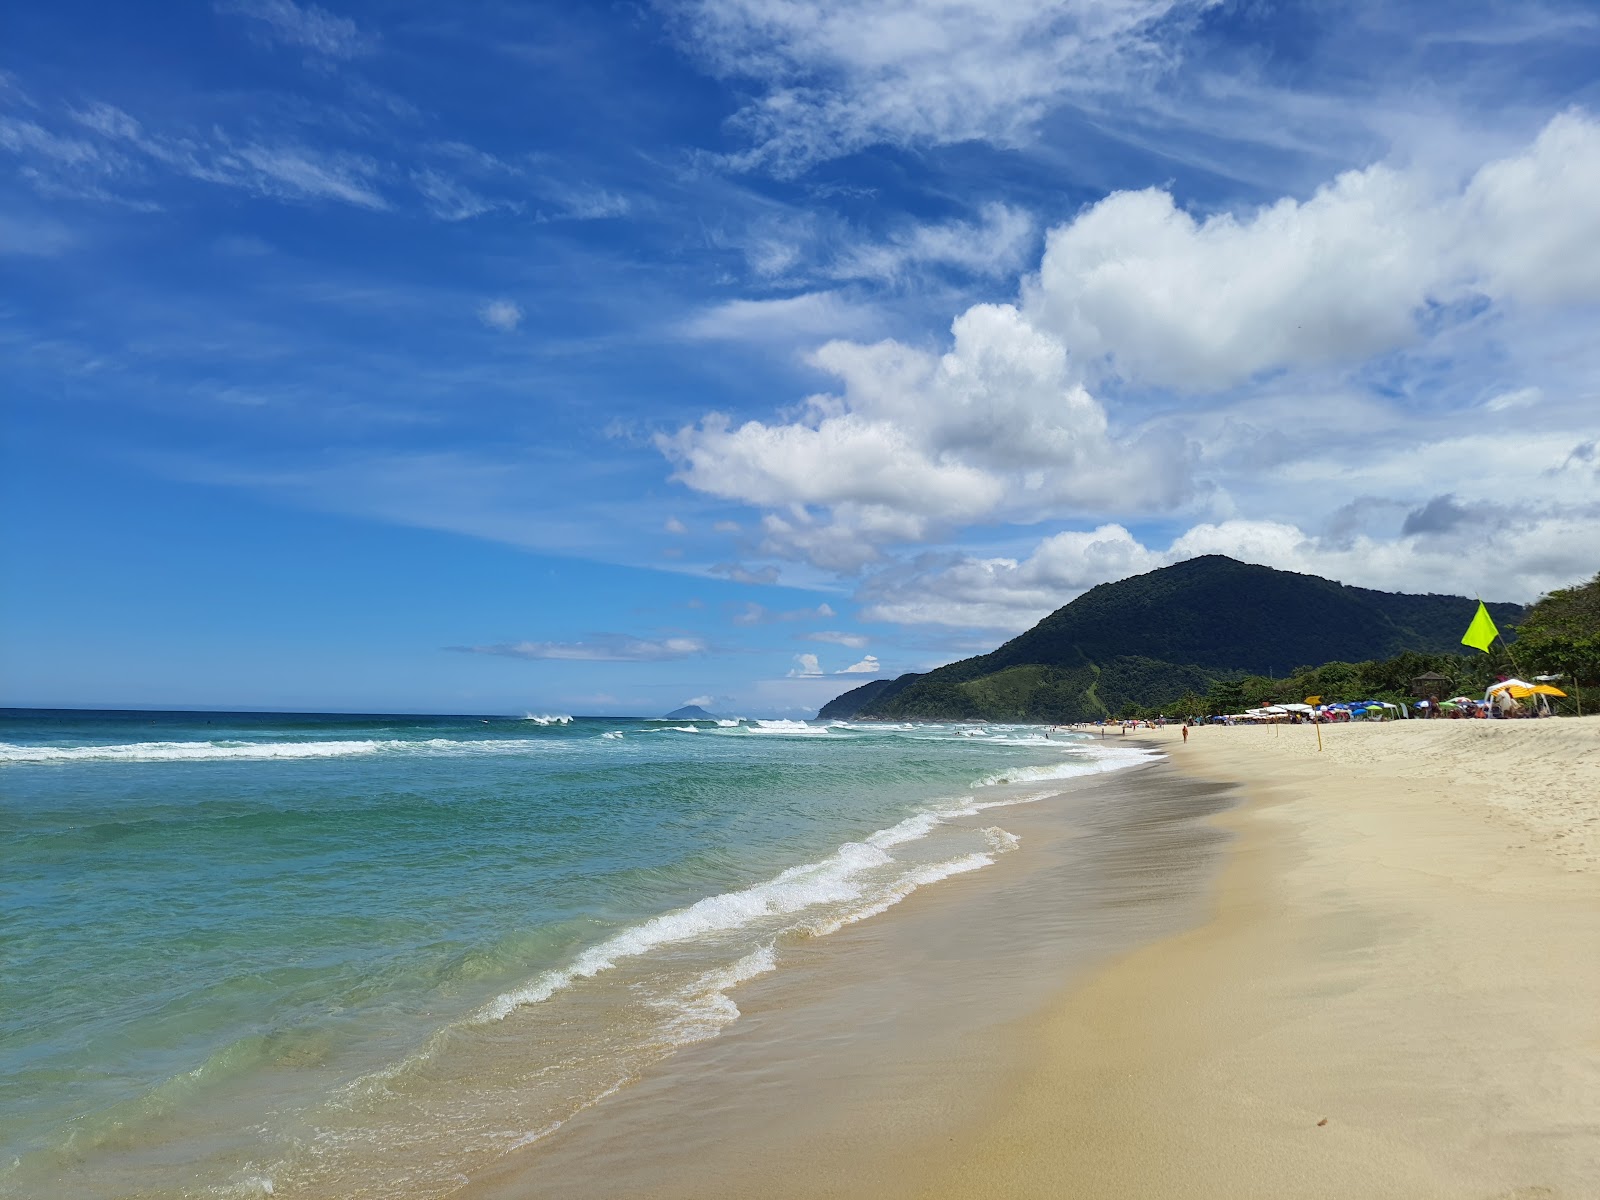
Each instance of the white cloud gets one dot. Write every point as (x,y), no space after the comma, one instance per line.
(806,665)
(837,75)
(993,246)
(673,525)
(699,701)
(867,666)
(751,613)
(1447,545)
(915,445)
(1517,398)
(504,315)
(855,641)
(449,199)
(600,647)
(740,573)
(804,318)
(920,442)
(295,172)
(1007,593)
(1166,299)
(303,27)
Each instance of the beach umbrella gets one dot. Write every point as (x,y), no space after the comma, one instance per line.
(1507,684)
(1544,689)
(1298,708)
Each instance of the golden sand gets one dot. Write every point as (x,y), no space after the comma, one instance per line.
(1397,995)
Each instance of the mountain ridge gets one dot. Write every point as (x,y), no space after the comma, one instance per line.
(1150,638)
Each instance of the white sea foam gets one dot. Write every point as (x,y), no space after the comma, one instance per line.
(226,749)
(725,724)
(843,881)
(782,728)
(180,751)
(1086,761)
(614,735)
(548,718)
(702,1009)
(899,890)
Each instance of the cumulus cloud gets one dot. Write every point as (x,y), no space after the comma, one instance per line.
(834,76)
(867,666)
(916,443)
(599,647)
(1156,296)
(504,315)
(673,525)
(1135,293)
(806,666)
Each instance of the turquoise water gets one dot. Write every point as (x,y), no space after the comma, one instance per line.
(332,955)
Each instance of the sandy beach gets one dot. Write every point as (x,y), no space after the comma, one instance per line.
(1383,985)
(1395,995)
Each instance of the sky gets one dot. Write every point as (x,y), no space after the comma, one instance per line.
(601,358)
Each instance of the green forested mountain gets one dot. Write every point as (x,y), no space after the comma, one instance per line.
(856,699)
(1152,638)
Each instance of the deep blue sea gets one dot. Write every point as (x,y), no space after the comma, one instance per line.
(252,954)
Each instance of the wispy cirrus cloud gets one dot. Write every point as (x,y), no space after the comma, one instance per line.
(835,76)
(598,647)
(835,637)
(302,27)
(750,614)
(101,152)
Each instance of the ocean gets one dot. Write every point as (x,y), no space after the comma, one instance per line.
(329,955)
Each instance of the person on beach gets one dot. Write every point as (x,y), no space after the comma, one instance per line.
(1186,731)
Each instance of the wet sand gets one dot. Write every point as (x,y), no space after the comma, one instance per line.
(901,1029)
(1390,989)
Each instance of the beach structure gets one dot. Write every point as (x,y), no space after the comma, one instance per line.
(1430,683)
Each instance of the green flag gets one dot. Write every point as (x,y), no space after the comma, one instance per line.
(1481,632)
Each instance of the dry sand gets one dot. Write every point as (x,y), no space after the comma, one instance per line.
(1398,993)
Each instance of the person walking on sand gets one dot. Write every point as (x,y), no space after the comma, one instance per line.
(1186,732)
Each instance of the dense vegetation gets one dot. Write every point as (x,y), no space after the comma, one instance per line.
(1561,634)
(1177,635)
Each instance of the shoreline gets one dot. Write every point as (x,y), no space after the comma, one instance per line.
(1383,989)
(900,1029)
(1393,995)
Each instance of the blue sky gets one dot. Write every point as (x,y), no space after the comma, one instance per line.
(600,358)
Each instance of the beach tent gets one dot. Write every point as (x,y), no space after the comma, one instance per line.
(1507,685)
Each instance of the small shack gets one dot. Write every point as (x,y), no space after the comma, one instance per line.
(1430,684)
